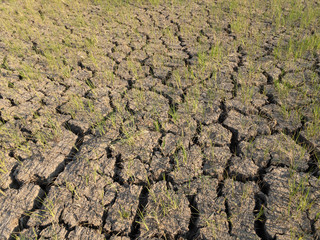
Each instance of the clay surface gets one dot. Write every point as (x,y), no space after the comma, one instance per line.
(159,120)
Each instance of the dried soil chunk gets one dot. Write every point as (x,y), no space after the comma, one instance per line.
(207,112)
(183,126)
(139,145)
(161,72)
(48,164)
(133,171)
(108,129)
(82,74)
(116,83)
(10,136)
(105,63)
(246,127)
(84,112)
(269,67)
(203,104)
(288,120)
(286,96)
(52,206)
(129,70)
(23,111)
(101,102)
(147,83)
(148,106)
(121,215)
(215,135)
(277,149)
(169,144)
(159,165)
(88,178)
(252,78)
(171,93)
(13,205)
(4,104)
(53,231)
(222,83)
(188,164)
(92,159)
(259,100)
(242,106)
(20,94)
(167,213)
(181,78)
(83,233)
(298,79)
(138,54)
(215,160)
(287,202)
(213,220)
(117,56)
(83,211)
(243,168)
(241,203)
(7,163)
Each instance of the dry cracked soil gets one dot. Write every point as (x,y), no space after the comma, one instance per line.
(160,120)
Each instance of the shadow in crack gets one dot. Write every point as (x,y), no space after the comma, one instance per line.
(260,217)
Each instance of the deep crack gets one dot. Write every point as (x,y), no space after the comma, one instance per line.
(143,201)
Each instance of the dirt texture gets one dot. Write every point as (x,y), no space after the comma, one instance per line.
(157,121)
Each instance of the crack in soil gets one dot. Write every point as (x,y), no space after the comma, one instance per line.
(260,217)
(194,218)
(143,201)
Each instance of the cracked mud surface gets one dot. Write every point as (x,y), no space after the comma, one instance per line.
(182,120)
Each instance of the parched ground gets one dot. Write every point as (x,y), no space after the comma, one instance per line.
(159,120)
